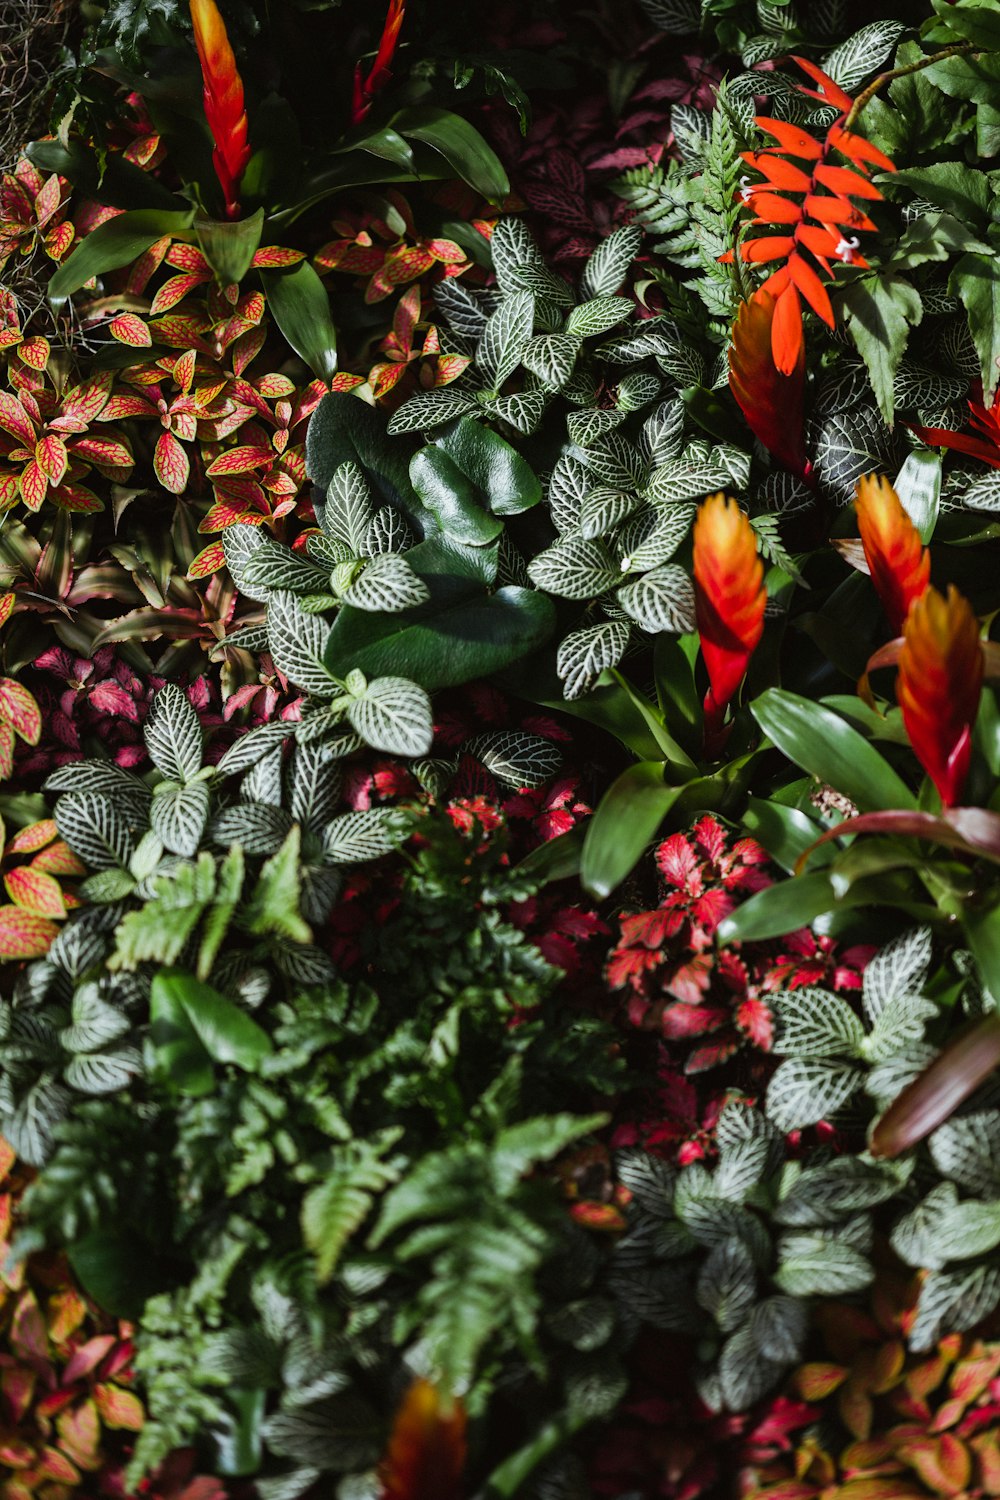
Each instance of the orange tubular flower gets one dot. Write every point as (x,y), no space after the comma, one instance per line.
(426,1452)
(938,688)
(224,107)
(772,403)
(365,89)
(899,563)
(730,600)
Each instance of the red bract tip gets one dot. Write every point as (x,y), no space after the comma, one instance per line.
(224,106)
(426,1451)
(938,688)
(730,600)
(899,564)
(365,89)
(771,401)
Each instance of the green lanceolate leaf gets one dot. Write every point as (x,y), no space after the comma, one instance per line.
(626,819)
(116,243)
(300,306)
(462,147)
(229,247)
(821,743)
(194,1027)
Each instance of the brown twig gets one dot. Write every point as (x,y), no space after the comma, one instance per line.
(959,49)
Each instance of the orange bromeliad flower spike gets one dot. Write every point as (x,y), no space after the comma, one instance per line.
(773,403)
(939,685)
(426,1452)
(365,89)
(730,600)
(224,106)
(898,561)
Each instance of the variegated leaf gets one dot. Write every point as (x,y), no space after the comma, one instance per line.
(19,709)
(349,509)
(511,247)
(609,265)
(388,583)
(597,316)
(130,329)
(518,759)
(394,715)
(171,464)
(178,816)
(35,891)
(24,934)
(585,654)
(574,569)
(504,338)
(298,642)
(429,409)
(551,357)
(173,734)
(661,600)
(351,838)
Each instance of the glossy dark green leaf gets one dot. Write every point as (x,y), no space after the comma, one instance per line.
(452,498)
(785,832)
(627,818)
(494,467)
(344,429)
(118,1269)
(116,180)
(116,243)
(447,646)
(779,909)
(556,859)
(821,743)
(229,247)
(298,302)
(193,1026)
(460,144)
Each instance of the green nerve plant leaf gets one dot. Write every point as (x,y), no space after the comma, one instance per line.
(297,642)
(173,734)
(394,715)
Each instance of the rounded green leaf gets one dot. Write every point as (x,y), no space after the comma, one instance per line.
(493,466)
(450,496)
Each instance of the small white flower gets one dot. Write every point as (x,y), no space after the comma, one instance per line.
(846,248)
(747,189)
(625,564)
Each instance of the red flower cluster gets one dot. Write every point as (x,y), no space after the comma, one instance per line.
(816,223)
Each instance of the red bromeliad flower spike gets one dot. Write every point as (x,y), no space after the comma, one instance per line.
(365,89)
(773,403)
(817,222)
(938,688)
(224,105)
(730,600)
(986,421)
(426,1451)
(899,563)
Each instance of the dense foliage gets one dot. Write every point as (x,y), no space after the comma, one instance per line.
(501,754)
